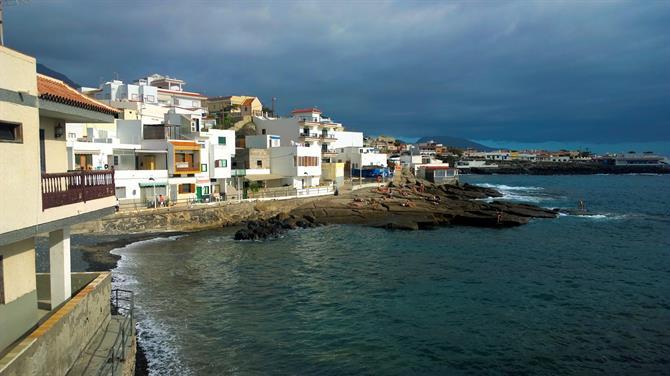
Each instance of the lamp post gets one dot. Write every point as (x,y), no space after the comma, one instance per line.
(154,186)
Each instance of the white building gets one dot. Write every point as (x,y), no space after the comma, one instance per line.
(359,157)
(168,149)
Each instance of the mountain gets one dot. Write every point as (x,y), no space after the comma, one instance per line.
(43,69)
(456,142)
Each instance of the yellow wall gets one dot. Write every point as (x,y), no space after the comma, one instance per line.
(18,268)
(55,148)
(20,191)
(331,171)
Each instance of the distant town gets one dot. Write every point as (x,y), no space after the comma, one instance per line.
(168,144)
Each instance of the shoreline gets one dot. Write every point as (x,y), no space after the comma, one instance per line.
(99,257)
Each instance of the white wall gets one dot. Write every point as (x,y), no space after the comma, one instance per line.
(362,156)
(345,139)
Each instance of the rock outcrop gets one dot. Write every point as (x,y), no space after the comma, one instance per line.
(407,204)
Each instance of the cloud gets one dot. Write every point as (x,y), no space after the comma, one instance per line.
(517,70)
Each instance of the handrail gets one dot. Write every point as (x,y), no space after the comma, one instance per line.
(66,188)
(123,306)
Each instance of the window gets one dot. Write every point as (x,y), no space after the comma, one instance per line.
(205,190)
(150,98)
(221,163)
(116,160)
(306,161)
(186,188)
(259,163)
(263,131)
(11,132)
(120,192)
(203,167)
(222,140)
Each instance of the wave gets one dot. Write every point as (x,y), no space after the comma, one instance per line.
(504,187)
(146,241)
(517,193)
(605,216)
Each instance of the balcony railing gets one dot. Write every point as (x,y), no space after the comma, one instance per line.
(71,187)
(309,135)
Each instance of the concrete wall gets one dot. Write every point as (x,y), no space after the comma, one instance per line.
(188,219)
(55,345)
(20,191)
(345,139)
(19,311)
(55,148)
(287,129)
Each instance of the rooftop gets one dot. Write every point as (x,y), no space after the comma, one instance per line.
(55,90)
(306,110)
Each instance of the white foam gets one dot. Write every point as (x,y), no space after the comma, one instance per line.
(504,187)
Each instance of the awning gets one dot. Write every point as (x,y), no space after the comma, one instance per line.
(151,151)
(157,184)
(263,177)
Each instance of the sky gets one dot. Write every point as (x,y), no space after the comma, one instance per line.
(519,71)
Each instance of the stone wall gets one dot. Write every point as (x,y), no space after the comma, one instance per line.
(54,346)
(198,217)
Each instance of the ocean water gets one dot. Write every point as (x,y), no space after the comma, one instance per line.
(573,295)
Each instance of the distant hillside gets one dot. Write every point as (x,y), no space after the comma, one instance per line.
(43,69)
(456,142)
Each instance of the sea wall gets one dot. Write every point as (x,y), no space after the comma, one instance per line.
(195,218)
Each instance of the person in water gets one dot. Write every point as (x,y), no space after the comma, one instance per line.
(581,205)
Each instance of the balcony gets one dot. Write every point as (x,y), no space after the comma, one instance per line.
(309,136)
(186,168)
(67,188)
(328,138)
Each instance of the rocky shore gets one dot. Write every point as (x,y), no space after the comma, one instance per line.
(406,204)
(567,168)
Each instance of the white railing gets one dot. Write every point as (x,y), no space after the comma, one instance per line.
(316,191)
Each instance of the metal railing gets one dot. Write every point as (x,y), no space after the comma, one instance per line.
(79,186)
(123,305)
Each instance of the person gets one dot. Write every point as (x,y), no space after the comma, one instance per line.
(499,216)
(117,206)
(161,200)
(337,191)
(581,205)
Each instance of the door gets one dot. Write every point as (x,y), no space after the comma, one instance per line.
(198,193)
(148,162)
(43,160)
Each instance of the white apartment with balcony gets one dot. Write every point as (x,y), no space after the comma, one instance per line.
(46,319)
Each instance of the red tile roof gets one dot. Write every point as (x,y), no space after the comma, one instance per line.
(303,110)
(55,90)
(248,101)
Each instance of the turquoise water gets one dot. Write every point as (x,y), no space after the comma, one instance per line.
(574,295)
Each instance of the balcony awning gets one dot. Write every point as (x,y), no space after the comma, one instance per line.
(149,151)
(263,177)
(156,184)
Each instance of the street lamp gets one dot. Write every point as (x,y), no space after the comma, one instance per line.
(154,185)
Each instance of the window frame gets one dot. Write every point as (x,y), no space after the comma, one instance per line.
(18,131)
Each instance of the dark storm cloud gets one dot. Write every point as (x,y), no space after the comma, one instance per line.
(525,71)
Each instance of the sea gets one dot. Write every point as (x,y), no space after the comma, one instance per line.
(579,294)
